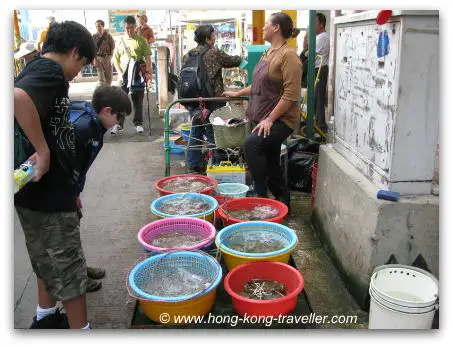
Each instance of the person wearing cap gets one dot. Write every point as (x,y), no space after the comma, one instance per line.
(43,34)
(27,51)
(144,30)
(104,51)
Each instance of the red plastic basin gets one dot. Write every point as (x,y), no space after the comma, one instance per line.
(249,204)
(220,199)
(208,190)
(283,273)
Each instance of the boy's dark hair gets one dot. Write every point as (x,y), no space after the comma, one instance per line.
(285,22)
(203,33)
(130,20)
(321,19)
(64,37)
(110,96)
(101,22)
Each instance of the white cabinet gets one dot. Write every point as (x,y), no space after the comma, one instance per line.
(386,109)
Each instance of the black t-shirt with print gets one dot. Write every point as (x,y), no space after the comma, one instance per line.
(43,80)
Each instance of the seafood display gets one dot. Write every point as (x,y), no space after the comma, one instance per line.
(255,243)
(176,240)
(185,185)
(261,212)
(179,282)
(259,289)
(184,206)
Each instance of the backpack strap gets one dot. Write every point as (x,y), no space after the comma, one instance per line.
(201,53)
(204,51)
(101,39)
(79,108)
(83,113)
(208,85)
(126,48)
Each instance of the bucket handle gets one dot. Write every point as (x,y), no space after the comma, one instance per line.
(413,268)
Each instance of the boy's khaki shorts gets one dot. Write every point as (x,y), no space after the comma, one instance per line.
(55,251)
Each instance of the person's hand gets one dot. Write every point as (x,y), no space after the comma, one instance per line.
(264,127)
(204,114)
(42,163)
(94,62)
(148,77)
(79,208)
(231,94)
(79,203)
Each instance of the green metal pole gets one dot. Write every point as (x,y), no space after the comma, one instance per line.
(167,138)
(311,74)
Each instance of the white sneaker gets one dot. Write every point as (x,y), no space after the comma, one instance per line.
(139,128)
(116,128)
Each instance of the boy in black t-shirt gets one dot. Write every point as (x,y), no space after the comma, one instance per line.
(47,208)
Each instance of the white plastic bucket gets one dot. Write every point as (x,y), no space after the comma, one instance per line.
(402,297)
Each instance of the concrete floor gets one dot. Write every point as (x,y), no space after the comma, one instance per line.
(116,199)
(325,290)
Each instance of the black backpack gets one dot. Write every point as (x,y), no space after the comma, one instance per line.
(193,78)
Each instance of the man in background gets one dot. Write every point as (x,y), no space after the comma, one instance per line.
(133,51)
(43,34)
(144,30)
(104,51)
(304,60)
(322,49)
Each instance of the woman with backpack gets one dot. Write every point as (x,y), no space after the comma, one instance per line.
(274,107)
(210,62)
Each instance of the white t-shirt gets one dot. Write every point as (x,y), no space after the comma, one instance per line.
(322,48)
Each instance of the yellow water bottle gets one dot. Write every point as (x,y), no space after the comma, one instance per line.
(23,174)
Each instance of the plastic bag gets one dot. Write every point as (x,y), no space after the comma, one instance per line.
(303,145)
(302,156)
